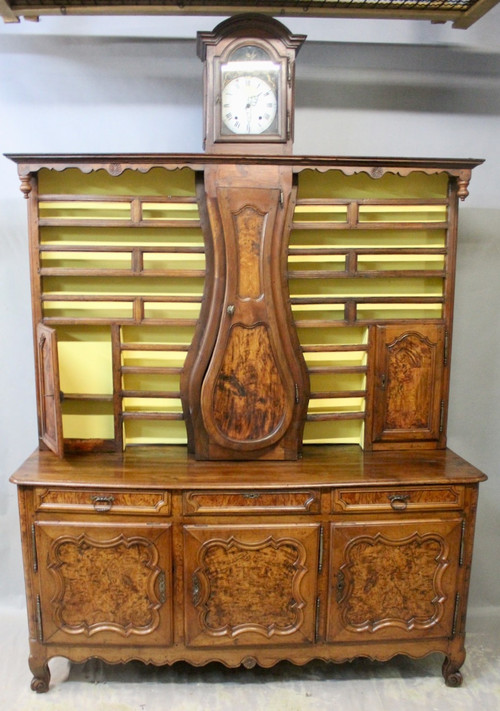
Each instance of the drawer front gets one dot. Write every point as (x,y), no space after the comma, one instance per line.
(103,501)
(250,502)
(421,498)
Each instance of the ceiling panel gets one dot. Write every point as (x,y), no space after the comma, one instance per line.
(462,13)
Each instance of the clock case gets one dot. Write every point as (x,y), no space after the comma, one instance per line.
(215,49)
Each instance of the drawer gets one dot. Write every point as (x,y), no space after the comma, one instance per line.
(250,502)
(102,501)
(409,498)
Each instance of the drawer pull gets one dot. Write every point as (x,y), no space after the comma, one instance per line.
(399,502)
(251,496)
(103,503)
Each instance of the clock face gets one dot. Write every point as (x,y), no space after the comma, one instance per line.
(249,105)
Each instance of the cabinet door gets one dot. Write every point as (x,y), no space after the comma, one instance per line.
(48,389)
(408,398)
(104,584)
(250,584)
(245,391)
(393,580)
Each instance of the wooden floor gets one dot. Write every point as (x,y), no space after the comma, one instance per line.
(399,685)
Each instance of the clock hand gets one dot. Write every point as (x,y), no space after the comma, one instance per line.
(252,100)
(249,118)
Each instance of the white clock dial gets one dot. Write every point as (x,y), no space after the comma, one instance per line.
(248,105)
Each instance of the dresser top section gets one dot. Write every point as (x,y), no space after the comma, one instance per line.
(172,467)
(118,162)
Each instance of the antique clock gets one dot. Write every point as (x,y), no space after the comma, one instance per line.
(249,85)
(245,385)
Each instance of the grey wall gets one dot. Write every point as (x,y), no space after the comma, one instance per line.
(363,88)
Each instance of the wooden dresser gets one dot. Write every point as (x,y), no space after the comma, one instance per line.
(242,373)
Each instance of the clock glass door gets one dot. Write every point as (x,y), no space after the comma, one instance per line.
(250,91)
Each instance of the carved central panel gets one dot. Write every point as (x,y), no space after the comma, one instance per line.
(105,584)
(249,225)
(410,384)
(392,582)
(250,586)
(249,397)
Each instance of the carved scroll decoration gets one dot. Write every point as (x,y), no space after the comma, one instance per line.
(250,587)
(410,362)
(394,583)
(105,585)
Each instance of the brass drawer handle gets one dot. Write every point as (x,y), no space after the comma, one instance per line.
(399,502)
(103,503)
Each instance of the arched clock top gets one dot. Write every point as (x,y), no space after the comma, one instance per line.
(245,26)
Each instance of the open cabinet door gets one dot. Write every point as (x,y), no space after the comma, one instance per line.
(49,391)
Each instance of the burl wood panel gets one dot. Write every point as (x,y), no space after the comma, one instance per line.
(249,396)
(249,225)
(390,576)
(251,502)
(409,372)
(409,387)
(250,581)
(232,568)
(376,591)
(105,580)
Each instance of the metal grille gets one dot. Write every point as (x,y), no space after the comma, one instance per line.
(289,6)
(462,13)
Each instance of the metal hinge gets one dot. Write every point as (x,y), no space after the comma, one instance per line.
(462,545)
(321,548)
(441,416)
(446,347)
(34,549)
(316,625)
(455,615)
(297,394)
(162,587)
(39,627)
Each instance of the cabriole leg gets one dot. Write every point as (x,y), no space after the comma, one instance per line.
(451,669)
(41,673)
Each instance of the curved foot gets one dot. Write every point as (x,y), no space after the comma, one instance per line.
(41,676)
(451,673)
(41,686)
